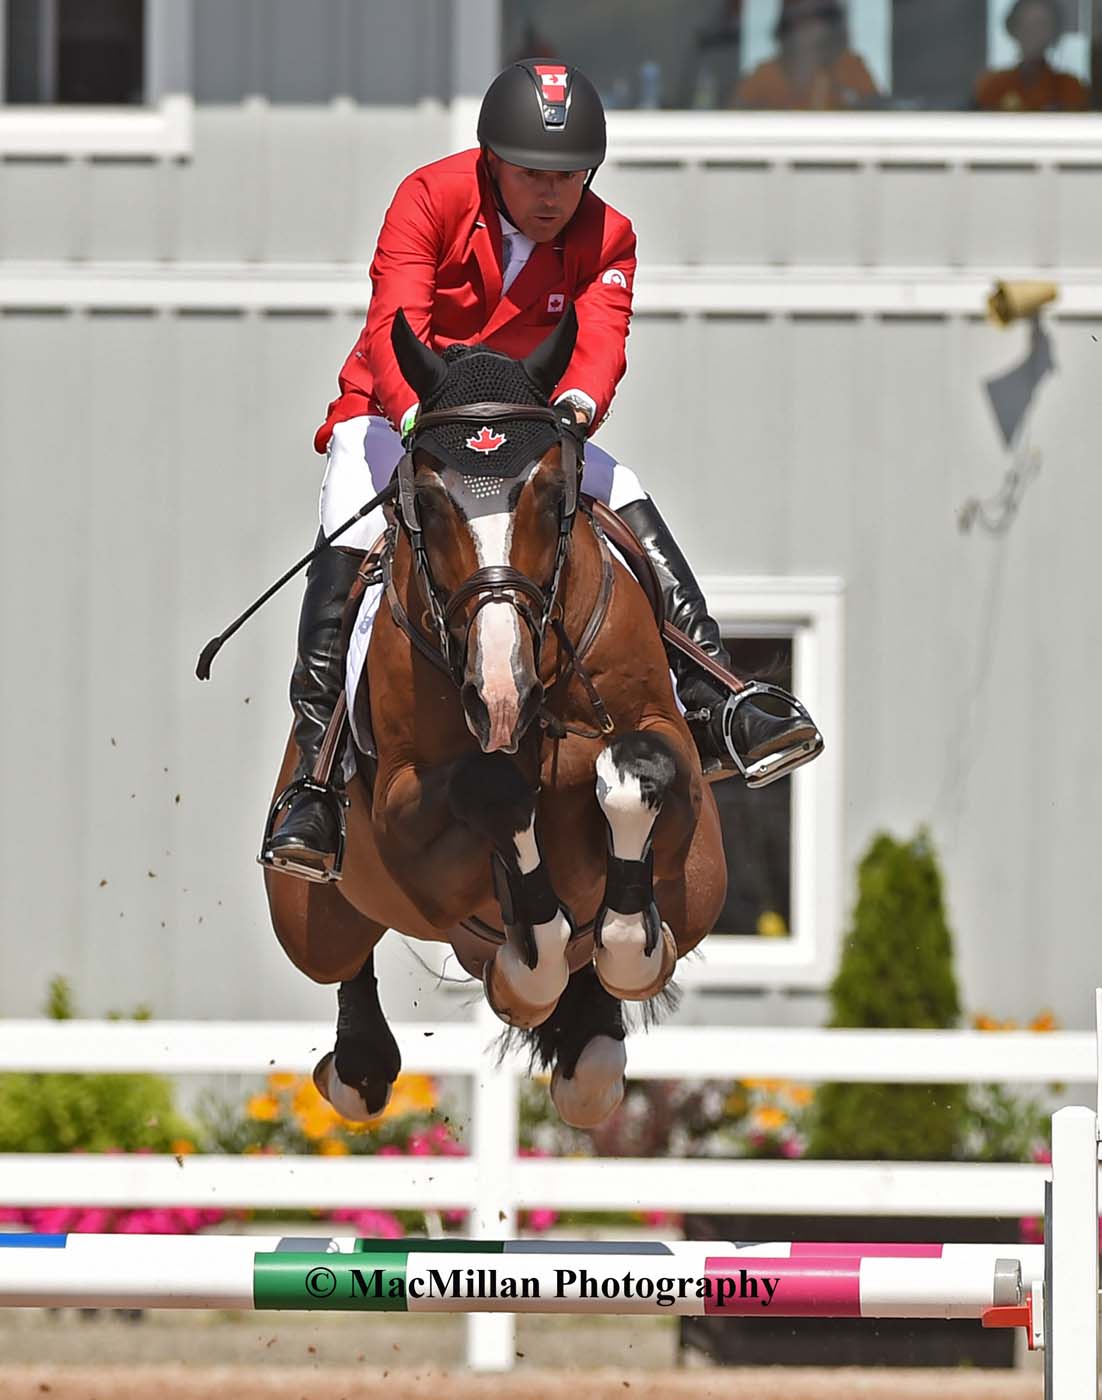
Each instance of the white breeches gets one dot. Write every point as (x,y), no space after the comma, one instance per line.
(363,453)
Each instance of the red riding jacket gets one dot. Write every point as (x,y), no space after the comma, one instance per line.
(439,257)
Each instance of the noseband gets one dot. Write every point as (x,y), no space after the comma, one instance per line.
(496,582)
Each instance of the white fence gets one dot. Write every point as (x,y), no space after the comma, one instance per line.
(493,1183)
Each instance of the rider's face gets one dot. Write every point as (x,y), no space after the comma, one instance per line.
(540,202)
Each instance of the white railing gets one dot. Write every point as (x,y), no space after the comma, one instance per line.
(493,1183)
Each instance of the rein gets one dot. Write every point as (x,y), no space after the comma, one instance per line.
(494,583)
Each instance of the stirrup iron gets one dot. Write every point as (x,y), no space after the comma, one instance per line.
(326,874)
(774,765)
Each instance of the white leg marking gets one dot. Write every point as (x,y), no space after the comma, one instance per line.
(621,960)
(545,983)
(596,1086)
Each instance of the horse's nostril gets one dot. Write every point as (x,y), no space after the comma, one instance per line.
(530,705)
(471,700)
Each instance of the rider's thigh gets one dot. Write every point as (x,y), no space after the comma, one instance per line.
(608,480)
(363,453)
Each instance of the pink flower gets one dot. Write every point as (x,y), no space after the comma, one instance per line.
(389,1151)
(656,1218)
(454,1217)
(541,1219)
(792,1147)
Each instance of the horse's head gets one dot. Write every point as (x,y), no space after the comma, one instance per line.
(488,501)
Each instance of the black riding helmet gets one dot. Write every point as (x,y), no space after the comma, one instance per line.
(543,115)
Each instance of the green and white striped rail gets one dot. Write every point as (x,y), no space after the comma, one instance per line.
(447,1275)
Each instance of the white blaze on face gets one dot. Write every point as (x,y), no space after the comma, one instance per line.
(495,645)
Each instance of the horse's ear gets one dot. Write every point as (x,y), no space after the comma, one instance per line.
(422,368)
(547,363)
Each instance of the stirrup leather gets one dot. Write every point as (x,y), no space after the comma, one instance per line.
(774,765)
(285,861)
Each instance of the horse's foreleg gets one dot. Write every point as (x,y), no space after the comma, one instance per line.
(584,1041)
(528,974)
(637,777)
(359,1072)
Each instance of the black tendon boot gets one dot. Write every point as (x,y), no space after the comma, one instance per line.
(732,734)
(309,836)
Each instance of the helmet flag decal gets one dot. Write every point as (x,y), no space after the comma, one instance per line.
(553,78)
(486,441)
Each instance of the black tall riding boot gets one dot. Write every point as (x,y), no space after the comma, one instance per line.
(309,835)
(732,735)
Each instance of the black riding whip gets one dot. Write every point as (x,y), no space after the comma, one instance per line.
(214,646)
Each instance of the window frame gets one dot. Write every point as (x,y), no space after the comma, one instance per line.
(811,612)
(161,128)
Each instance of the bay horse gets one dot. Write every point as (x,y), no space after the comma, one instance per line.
(532,796)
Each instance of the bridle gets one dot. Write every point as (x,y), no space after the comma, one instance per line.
(493,583)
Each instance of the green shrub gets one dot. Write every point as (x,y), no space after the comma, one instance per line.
(896,972)
(88,1112)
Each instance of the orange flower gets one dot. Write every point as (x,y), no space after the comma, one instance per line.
(766,1086)
(180,1147)
(412,1093)
(768,1119)
(800,1095)
(263,1108)
(282,1083)
(1043,1021)
(333,1147)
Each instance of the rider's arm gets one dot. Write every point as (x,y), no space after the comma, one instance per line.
(603,304)
(403,274)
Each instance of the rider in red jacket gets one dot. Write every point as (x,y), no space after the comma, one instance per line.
(491,246)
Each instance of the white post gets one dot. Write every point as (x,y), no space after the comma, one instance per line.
(491,1337)
(1098,1055)
(1074,1277)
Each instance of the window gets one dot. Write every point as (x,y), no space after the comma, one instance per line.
(821,55)
(782,919)
(757,824)
(96,78)
(83,52)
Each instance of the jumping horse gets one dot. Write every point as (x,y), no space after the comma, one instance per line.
(528,790)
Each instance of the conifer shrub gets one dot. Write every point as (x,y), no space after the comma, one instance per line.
(896,972)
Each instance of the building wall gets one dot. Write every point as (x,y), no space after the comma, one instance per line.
(806,397)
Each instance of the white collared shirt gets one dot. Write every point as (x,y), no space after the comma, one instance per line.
(516,250)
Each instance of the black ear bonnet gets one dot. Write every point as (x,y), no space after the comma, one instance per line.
(501,446)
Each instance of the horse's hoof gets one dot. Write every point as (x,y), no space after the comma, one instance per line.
(503,1002)
(619,957)
(596,1088)
(348,1101)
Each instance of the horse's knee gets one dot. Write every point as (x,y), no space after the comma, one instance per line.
(636,775)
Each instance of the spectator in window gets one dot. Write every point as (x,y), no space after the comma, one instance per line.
(1033,85)
(815,69)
